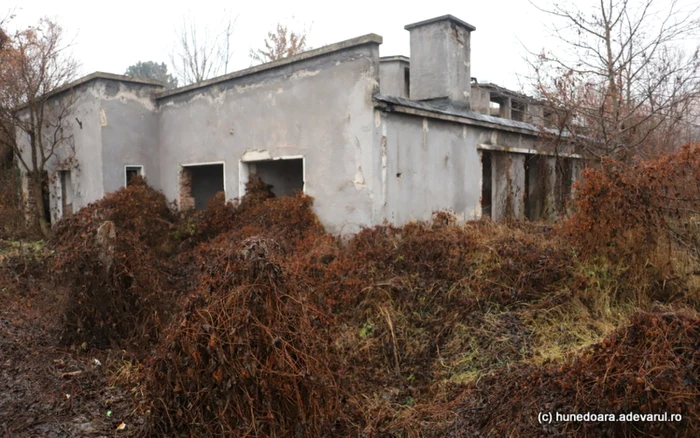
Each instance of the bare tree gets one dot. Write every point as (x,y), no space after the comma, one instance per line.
(201,52)
(620,81)
(34,111)
(280,44)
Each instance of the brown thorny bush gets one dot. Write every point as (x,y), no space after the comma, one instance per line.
(400,294)
(288,331)
(291,333)
(109,255)
(624,211)
(649,367)
(250,355)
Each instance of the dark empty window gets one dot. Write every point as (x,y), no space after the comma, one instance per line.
(286,176)
(132,171)
(564,182)
(536,187)
(549,118)
(518,110)
(199,183)
(407,82)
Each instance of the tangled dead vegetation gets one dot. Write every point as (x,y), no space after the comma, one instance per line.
(250,355)
(262,324)
(626,211)
(13,224)
(109,255)
(649,367)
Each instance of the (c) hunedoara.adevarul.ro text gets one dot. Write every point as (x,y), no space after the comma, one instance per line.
(559,417)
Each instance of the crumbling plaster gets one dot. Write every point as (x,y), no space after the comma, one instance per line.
(288,111)
(426,165)
(82,130)
(130,134)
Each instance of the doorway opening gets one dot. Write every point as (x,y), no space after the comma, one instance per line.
(536,187)
(486,184)
(66,193)
(199,183)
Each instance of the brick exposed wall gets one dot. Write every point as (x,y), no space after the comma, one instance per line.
(186,198)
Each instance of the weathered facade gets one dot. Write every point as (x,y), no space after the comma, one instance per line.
(371,139)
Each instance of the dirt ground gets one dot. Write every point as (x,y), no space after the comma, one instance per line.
(51,391)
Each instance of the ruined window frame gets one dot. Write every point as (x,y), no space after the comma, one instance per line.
(182,166)
(65,187)
(142,172)
(244,170)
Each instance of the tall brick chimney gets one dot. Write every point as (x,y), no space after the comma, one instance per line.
(440,61)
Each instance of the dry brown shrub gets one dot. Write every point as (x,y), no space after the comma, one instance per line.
(257,213)
(393,322)
(250,354)
(108,254)
(137,208)
(218,218)
(289,220)
(406,299)
(624,211)
(648,367)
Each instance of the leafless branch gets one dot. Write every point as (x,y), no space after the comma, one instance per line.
(622,76)
(201,52)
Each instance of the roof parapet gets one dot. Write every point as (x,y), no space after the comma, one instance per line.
(95,76)
(354,42)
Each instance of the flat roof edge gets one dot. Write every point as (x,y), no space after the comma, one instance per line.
(447,17)
(95,76)
(371,38)
(394,58)
(459,113)
(102,75)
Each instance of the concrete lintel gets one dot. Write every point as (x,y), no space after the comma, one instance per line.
(515,150)
(448,17)
(343,45)
(253,156)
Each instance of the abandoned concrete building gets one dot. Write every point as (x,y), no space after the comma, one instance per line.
(370,139)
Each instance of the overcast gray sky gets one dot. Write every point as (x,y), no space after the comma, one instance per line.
(110,36)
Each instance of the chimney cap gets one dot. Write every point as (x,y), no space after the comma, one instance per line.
(448,17)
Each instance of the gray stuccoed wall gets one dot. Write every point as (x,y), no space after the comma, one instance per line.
(319,108)
(430,165)
(129,131)
(392,76)
(82,130)
(112,122)
(425,164)
(369,156)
